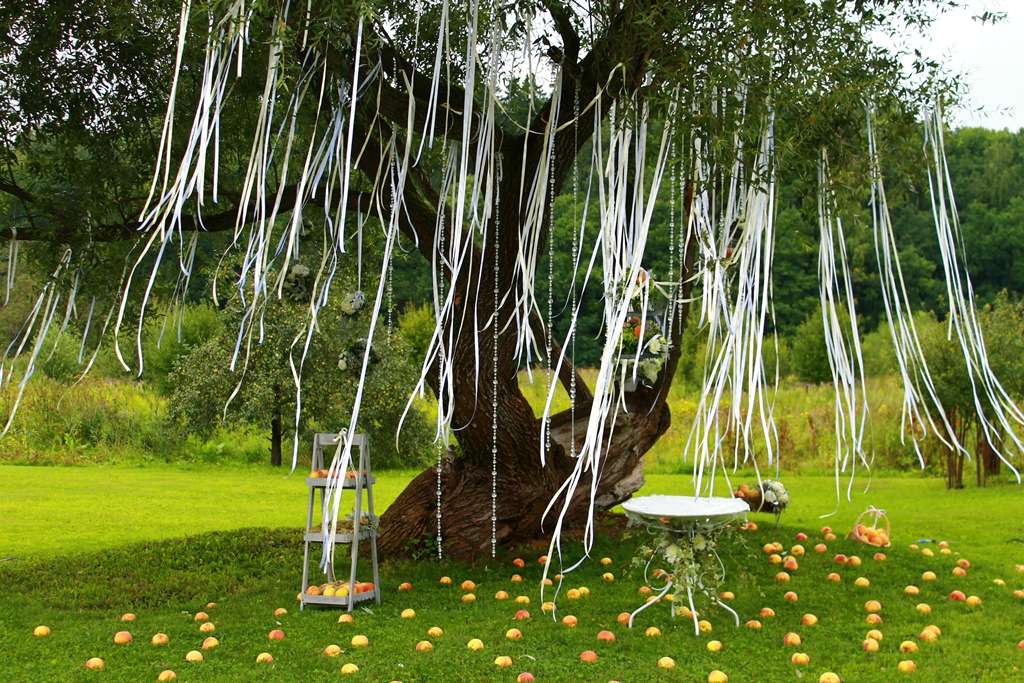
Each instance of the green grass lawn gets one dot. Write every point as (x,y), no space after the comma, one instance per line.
(87,544)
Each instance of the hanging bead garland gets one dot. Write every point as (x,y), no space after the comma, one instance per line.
(494,368)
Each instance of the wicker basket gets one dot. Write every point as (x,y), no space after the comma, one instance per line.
(872,528)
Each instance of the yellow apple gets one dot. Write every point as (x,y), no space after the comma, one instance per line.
(861,582)
(122,638)
(94,664)
(41,631)
(607,577)
(332,650)
(167,675)
(569,620)
(501,595)
(727,596)
(875,634)
(666,663)
(502,661)
(516,578)
(264,658)
(468,585)
(834,577)
(790,596)
(714,645)
(924,608)
(872,606)
(623,618)
(349,669)
(547,607)
(408,613)
(928,552)
(522,600)
(210,643)
(360,641)
(717,676)
(435,632)
(911,590)
(973,601)
(652,632)
(928,576)
(791,639)
(346,619)
(445,581)
(475,644)
(906,666)
(128,616)
(873,619)
(572,594)
(767,613)
(605,561)
(468,598)
(424,646)
(280,612)
(908,647)
(798,550)
(207,627)
(870,645)
(753,624)
(201,616)
(513,634)
(606,636)
(800,658)
(829,677)
(782,577)
(194,656)
(808,620)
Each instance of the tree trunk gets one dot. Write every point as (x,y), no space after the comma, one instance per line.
(276,431)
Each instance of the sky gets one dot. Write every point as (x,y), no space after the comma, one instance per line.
(991,59)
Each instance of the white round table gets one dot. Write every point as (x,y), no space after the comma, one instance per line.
(681,516)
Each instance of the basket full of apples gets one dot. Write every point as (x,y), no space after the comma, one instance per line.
(872,527)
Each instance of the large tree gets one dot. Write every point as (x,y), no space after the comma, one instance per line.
(88,83)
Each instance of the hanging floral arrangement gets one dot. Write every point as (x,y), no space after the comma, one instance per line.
(642,342)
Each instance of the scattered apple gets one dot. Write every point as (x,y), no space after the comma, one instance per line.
(753,624)
(870,645)
(717,676)
(908,647)
(963,563)
(543,559)
(906,666)
(854,561)
(445,581)
(928,576)
(547,607)
(830,537)
(475,644)
(872,606)
(468,598)
(128,616)
(973,601)
(276,634)
(801,536)
(923,608)
(360,641)
(346,619)
(408,613)
(623,618)
(572,594)
(820,548)
(167,675)
(875,634)
(349,669)
(194,656)
(782,577)
(569,620)
(829,677)
(608,577)
(652,632)
(879,557)
(790,596)
(332,650)
(911,590)
(519,563)
(839,559)
(201,616)
(513,634)
(800,658)
(122,638)
(644,590)
(959,572)
(516,578)
(501,595)
(767,613)
(424,646)
(791,564)
(468,586)
(957,596)
(666,663)
(207,627)
(775,558)
(833,577)
(714,645)
(525,677)
(404,587)
(522,600)
(928,552)
(521,615)
(727,596)
(874,619)
(999,582)
(210,643)
(928,636)
(502,661)
(798,550)
(41,631)
(94,664)
(704,626)
(264,658)
(280,612)
(862,582)
(606,636)
(605,561)
(791,639)
(588,656)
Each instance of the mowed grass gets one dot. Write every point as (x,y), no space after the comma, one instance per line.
(92,543)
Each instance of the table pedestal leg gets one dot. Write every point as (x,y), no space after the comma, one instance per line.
(663,593)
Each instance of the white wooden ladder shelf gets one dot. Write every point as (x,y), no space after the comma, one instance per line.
(341,593)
